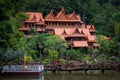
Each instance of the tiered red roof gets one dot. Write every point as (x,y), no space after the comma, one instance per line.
(91,28)
(31,17)
(69,31)
(76,32)
(73,16)
(86,32)
(50,16)
(61,16)
(71,28)
(35,17)
(40,22)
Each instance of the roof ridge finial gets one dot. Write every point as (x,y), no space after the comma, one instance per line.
(73,11)
(51,11)
(62,9)
(34,17)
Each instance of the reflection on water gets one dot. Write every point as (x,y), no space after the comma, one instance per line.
(92,75)
(22,78)
(109,75)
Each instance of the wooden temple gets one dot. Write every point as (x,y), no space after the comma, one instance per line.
(69,27)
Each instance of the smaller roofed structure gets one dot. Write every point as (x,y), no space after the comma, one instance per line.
(35,17)
(80,44)
(106,38)
(91,28)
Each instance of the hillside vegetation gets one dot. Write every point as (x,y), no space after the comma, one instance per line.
(104,14)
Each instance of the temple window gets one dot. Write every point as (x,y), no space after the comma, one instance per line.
(46,23)
(90,43)
(30,25)
(59,24)
(65,24)
(76,24)
(33,25)
(55,23)
(71,24)
(92,33)
(51,24)
(68,24)
(27,25)
(62,24)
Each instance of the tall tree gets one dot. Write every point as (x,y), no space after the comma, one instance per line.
(55,43)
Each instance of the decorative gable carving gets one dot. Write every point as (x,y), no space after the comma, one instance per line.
(73,16)
(50,15)
(62,15)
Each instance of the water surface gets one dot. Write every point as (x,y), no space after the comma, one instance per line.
(79,75)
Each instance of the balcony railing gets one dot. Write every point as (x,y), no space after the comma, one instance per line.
(23,68)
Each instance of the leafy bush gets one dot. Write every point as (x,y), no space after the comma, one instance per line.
(63,60)
(29,59)
(46,60)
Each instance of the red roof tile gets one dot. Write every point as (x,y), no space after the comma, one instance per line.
(86,31)
(80,44)
(50,16)
(58,31)
(35,17)
(64,33)
(77,32)
(31,16)
(69,31)
(61,15)
(96,45)
(73,16)
(78,16)
(106,38)
(91,28)
(76,35)
(92,38)
(60,20)
(40,22)
(24,28)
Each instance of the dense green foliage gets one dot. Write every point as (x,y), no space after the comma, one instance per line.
(104,14)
